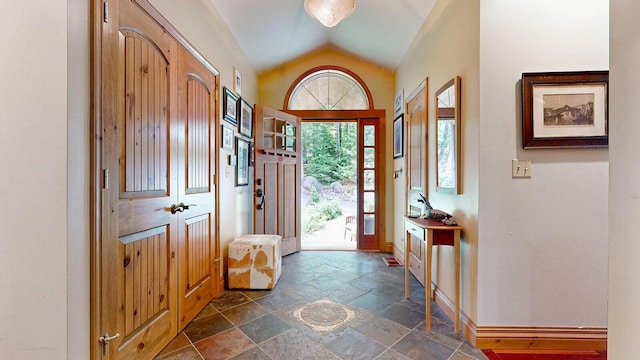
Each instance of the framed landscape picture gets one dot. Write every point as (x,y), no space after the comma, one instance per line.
(227,138)
(245,114)
(242,166)
(565,109)
(229,106)
(398,137)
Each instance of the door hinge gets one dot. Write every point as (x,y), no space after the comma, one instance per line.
(105,12)
(214,179)
(105,179)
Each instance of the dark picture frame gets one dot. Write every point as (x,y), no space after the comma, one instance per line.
(398,137)
(245,114)
(227,137)
(229,106)
(242,165)
(565,109)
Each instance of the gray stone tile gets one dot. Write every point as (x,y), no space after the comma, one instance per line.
(403,316)
(416,345)
(351,344)
(383,330)
(292,344)
(264,328)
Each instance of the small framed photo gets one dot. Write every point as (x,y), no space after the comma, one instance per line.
(229,106)
(237,81)
(398,137)
(252,155)
(245,114)
(565,109)
(242,167)
(398,103)
(227,138)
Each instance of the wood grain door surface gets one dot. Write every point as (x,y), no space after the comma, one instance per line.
(277,173)
(157,266)
(417,141)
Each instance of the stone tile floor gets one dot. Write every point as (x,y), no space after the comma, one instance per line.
(366,316)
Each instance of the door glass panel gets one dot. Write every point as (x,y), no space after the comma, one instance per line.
(369,179)
(268,124)
(369,202)
(369,158)
(291,144)
(369,135)
(291,130)
(369,224)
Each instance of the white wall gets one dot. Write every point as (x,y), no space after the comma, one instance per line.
(447,46)
(78,155)
(542,241)
(624,205)
(33,215)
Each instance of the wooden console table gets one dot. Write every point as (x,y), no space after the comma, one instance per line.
(432,233)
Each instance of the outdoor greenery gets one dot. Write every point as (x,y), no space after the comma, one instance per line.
(329,151)
(316,216)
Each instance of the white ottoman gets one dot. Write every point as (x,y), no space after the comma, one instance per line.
(255,262)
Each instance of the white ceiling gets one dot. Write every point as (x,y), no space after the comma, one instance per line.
(272,32)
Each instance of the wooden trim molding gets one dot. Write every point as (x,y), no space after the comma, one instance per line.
(525,337)
(539,338)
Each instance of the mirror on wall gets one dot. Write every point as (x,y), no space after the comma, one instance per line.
(448,171)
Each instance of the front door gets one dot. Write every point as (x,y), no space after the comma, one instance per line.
(277,177)
(157,247)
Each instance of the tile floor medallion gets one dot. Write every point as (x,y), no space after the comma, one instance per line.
(323,315)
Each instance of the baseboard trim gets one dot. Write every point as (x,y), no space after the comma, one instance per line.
(541,338)
(523,337)
(388,247)
(467,326)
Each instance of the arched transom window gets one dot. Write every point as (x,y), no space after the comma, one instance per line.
(329,89)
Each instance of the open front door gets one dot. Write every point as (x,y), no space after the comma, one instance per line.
(277,176)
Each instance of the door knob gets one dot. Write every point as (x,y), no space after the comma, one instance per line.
(261,203)
(180,207)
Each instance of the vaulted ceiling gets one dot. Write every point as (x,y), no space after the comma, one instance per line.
(272,32)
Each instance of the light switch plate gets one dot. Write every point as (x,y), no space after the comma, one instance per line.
(520,168)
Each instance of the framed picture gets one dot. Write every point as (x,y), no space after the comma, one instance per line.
(229,106)
(398,137)
(237,81)
(242,167)
(245,114)
(398,103)
(227,137)
(252,155)
(565,109)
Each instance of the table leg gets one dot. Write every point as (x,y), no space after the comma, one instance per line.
(406,264)
(427,277)
(456,250)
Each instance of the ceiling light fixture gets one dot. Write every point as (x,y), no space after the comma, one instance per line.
(329,12)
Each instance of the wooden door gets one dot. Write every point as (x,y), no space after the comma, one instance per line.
(277,176)
(197,252)
(370,184)
(417,140)
(156,154)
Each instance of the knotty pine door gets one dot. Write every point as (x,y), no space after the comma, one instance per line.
(157,248)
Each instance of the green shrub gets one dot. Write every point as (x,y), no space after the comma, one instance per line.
(317,216)
(314,198)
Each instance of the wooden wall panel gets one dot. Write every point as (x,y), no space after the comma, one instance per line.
(289,200)
(144,166)
(198,135)
(199,252)
(146,261)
